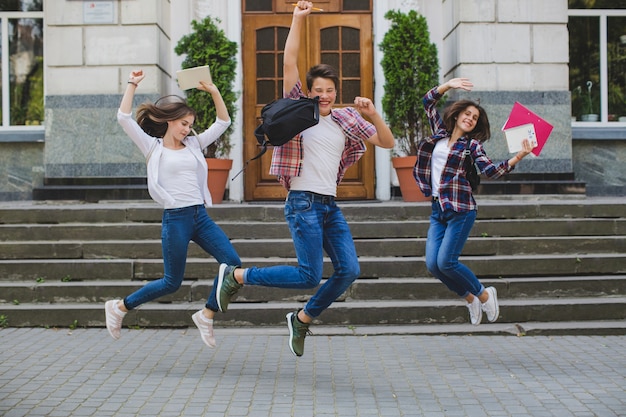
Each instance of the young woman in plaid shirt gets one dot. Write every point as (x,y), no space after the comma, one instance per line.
(440,173)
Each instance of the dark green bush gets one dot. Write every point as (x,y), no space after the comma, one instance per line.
(208,45)
(411,68)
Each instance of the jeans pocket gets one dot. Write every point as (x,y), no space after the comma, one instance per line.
(297,205)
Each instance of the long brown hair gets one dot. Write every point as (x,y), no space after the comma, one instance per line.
(153,118)
(482,130)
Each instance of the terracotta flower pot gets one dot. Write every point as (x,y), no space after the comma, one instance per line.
(408,186)
(218,177)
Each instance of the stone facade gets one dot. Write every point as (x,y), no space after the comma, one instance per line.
(513,50)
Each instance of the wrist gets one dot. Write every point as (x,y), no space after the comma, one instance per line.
(133,83)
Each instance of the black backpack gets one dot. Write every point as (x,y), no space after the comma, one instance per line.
(471,173)
(283,119)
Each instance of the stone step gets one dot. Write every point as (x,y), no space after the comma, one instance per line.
(279,230)
(347,313)
(371,267)
(558,207)
(419,288)
(394,247)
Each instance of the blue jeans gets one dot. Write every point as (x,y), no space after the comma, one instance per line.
(447,235)
(179,227)
(317,225)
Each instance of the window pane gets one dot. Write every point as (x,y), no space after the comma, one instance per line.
(332,60)
(363,5)
(350,90)
(351,65)
(26,71)
(597,4)
(584,46)
(265,66)
(265,91)
(350,39)
(330,39)
(265,39)
(21,6)
(258,5)
(616,54)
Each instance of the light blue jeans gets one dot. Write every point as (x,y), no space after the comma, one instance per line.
(447,235)
(179,227)
(317,225)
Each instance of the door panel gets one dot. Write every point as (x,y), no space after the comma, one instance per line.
(343,41)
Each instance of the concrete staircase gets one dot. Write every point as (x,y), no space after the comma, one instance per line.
(559,264)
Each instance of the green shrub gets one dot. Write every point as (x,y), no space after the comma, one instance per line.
(411,68)
(208,45)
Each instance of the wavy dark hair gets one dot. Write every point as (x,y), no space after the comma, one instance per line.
(482,131)
(153,117)
(322,71)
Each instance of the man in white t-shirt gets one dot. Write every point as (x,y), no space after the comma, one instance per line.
(310,167)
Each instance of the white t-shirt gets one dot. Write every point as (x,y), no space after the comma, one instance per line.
(323,145)
(438,162)
(178,176)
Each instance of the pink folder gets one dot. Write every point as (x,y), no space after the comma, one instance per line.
(520,115)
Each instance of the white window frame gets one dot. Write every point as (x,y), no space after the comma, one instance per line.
(603,15)
(5,123)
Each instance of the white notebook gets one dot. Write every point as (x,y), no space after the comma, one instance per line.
(191,77)
(515,136)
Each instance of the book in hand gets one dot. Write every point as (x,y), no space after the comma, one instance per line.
(191,77)
(516,135)
(521,115)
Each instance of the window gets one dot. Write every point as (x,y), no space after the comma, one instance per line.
(21,64)
(597,72)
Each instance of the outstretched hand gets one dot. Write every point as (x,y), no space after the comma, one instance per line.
(462,83)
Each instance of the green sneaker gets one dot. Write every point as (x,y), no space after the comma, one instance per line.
(227,286)
(297,333)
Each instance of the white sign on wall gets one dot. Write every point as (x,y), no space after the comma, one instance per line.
(97,12)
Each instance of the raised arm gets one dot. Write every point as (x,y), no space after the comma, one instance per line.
(462,83)
(218,101)
(134,78)
(292,45)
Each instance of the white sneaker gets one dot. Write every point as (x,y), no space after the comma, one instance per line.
(475,311)
(490,307)
(205,328)
(113,319)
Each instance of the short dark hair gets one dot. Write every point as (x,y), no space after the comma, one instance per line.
(482,131)
(322,71)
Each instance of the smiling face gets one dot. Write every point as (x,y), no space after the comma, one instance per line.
(324,88)
(179,129)
(467,119)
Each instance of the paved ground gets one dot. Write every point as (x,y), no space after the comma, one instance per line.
(48,372)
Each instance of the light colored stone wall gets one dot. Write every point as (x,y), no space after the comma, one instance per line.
(513,50)
(87,66)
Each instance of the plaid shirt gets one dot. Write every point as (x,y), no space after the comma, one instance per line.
(287,159)
(455,192)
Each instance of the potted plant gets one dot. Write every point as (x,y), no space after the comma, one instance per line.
(208,45)
(411,68)
(589,105)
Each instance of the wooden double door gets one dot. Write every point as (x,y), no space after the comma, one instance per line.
(343,40)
